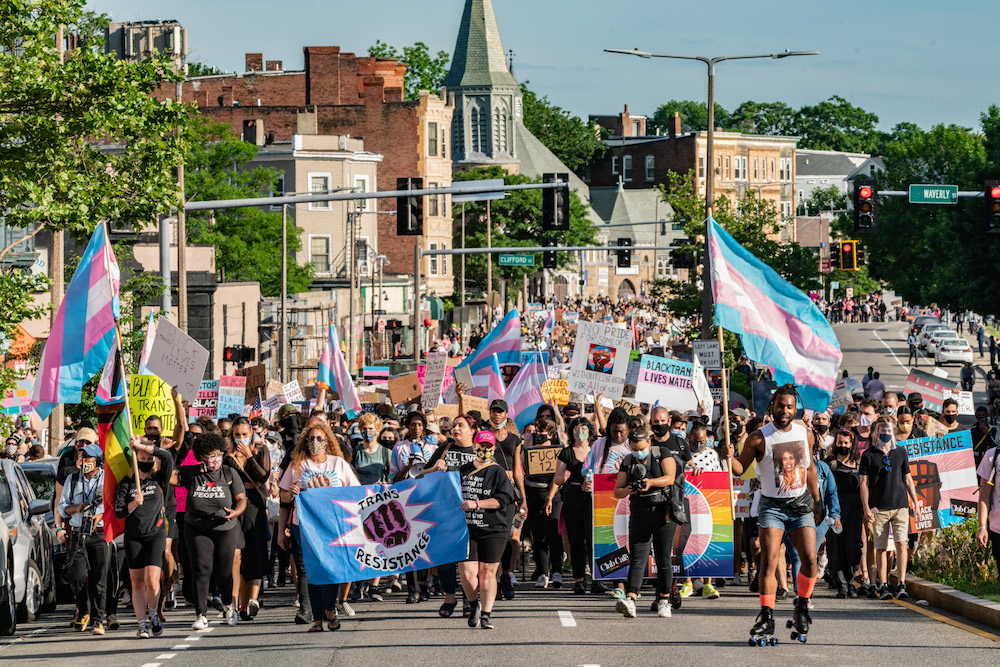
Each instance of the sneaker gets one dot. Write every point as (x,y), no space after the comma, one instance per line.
(884,593)
(232,617)
(126,598)
(201,623)
(597,588)
(901,593)
(579,588)
(170,601)
(81,623)
(375,596)
(252,608)
(506,590)
(852,592)
(345,608)
(782,594)
(155,624)
(474,614)
(687,590)
(484,621)
(301,618)
(216,603)
(841,593)
(710,592)
(542,581)
(355,593)
(663,608)
(754,583)
(143,633)
(112,622)
(396,586)
(557,581)
(513,580)
(739,579)
(626,607)
(298,602)
(98,628)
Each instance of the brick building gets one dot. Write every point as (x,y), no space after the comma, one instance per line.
(764,164)
(341,93)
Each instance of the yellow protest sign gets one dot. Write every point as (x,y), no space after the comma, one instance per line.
(149,396)
(556,391)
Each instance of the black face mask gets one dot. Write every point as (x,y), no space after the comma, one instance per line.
(821,429)
(145,466)
(950,418)
(660,430)
(843,451)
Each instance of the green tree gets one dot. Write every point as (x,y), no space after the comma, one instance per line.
(824,199)
(574,142)
(195,68)
(836,125)
(771,118)
(423,72)
(81,138)
(245,239)
(516,223)
(693,114)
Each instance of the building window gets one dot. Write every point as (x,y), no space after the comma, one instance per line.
(756,170)
(774,174)
(801,196)
(627,167)
(614,164)
(650,163)
(432,269)
(701,166)
(746,170)
(432,139)
(737,172)
(479,128)
(432,201)
(319,253)
(718,168)
(444,261)
(443,155)
(361,185)
(781,168)
(319,184)
(727,168)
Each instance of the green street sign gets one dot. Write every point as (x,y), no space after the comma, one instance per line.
(517,260)
(933,194)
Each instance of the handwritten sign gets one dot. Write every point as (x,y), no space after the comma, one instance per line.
(446,410)
(293,392)
(556,391)
(628,406)
(149,396)
(542,460)
(177,359)
(232,390)
(207,402)
(256,381)
(668,381)
(434,379)
(481,405)
(600,359)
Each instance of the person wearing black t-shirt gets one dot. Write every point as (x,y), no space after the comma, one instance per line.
(645,478)
(142,507)
(507,454)
(546,543)
(216,498)
(578,505)
(488,501)
(984,436)
(885,485)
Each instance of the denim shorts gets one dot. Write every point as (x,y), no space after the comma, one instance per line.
(777,515)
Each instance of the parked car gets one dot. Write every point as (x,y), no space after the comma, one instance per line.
(34,575)
(42,478)
(8,611)
(920,321)
(934,341)
(953,350)
(926,332)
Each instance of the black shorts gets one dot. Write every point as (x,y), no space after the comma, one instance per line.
(145,552)
(487,549)
(171,515)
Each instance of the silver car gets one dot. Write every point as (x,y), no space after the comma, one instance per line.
(31,540)
(8,613)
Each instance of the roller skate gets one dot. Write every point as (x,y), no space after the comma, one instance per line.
(800,620)
(762,633)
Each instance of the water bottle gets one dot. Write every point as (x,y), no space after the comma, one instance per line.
(589,478)
(519,518)
(833,525)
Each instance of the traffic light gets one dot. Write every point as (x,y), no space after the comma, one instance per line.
(409,210)
(835,260)
(549,260)
(859,252)
(681,260)
(865,207)
(238,354)
(555,204)
(992,193)
(624,256)
(848,255)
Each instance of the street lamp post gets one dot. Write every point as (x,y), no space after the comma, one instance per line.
(706,295)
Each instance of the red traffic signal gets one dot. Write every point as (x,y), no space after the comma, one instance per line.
(848,256)
(995,192)
(865,207)
(865,192)
(992,194)
(846,247)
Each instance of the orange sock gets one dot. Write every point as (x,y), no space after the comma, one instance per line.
(806,585)
(767,601)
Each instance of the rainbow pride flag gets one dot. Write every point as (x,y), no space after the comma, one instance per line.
(114,430)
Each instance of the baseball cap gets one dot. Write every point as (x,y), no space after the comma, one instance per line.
(637,435)
(433,428)
(354,433)
(914,396)
(499,404)
(485,437)
(285,409)
(93,450)
(742,413)
(571,409)
(88,434)
(273,437)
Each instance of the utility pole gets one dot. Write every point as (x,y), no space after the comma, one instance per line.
(489,264)
(57,418)
(182,283)
(416,300)
(283,331)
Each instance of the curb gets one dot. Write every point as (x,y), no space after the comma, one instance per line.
(946,597)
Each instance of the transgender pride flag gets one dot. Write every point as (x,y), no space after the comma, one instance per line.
(83,332)
(504,342)
(524,395)
(778,324)
(333,374)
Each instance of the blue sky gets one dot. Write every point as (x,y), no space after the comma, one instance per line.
(921,61)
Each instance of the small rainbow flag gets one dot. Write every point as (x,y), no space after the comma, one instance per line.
(114,430)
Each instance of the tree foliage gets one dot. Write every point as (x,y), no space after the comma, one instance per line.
(247,240)
(693,114)
(516,223)
(423,72)
(81,137)
(195,68)
(574,142)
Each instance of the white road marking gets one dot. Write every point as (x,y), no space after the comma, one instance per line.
(206,630)
(180,647)
(192,638)
(901,365)
(566,618)
(165,656)
(152,664)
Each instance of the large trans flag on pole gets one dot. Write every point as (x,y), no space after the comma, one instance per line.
(504,341)
(333,374)
(778,324)
(351,533)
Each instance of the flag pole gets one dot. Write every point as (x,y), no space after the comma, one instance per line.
(724,373)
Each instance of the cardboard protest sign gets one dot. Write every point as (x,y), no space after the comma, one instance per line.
(542,460)
(741,498)
(528,357)
(705,543)
(630,407)
(668,381)
(966,406)
(600,360)
(293,392)
(207,402)
(177,359)
(930,386)
(556,391)
(256,381)
(404,388)
(943,470)
(702,391)
(841,397)
(149,396)
(446,410)
(271,405)
(471,403)
(232,391)
(437,362)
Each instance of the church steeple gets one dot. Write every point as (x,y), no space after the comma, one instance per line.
(486,96)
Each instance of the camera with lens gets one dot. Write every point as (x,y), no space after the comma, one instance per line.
(539,438)
(637,478)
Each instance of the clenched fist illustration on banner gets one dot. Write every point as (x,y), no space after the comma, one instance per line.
(387,525)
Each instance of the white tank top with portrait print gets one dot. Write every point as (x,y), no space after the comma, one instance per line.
(784,467)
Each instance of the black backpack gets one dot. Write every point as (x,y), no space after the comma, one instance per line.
(673,496)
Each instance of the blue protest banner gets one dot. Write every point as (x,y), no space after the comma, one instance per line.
(352,533)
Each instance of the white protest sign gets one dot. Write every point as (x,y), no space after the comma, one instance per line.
(271,405)
(433,379)
(841,396)
(667,381)
(966,406)
(702,390)
(177,359)
(293,393)
(707,351)
(600,360)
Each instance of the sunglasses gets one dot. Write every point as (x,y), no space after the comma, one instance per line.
(316,438)
(84,443)
(888,465)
